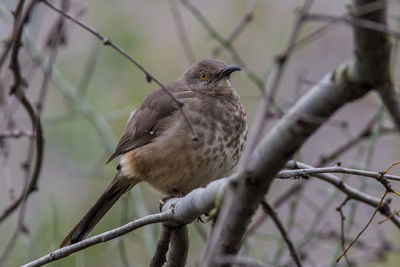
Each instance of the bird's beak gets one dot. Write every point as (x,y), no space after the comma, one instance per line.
(225,72)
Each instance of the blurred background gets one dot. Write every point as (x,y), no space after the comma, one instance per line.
(94,89)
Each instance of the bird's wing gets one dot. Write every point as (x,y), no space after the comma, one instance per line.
(147,122)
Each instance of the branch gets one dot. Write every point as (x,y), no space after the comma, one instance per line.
(268,209)
(351,192)
(149,77)
(176,212)
(9,42)
(343,85)
(227,45)
(285,196)
(334,169)
(372,55)
(238,28)
(159,256)
(342,229)
(16,89)
(273,83)
(177,18)
(238,261)
(366,132)
(364,228)
(178,247)
(16,134)
(65,251)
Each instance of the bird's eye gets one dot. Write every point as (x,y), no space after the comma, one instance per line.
(203,76)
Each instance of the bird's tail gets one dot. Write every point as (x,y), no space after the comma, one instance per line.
(113,192)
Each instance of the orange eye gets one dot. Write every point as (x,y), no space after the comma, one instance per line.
(203,76)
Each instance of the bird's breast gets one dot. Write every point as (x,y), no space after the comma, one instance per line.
(174,162)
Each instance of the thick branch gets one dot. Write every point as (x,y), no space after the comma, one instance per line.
(178,211)
(159,256)
(178,247)
(287,136)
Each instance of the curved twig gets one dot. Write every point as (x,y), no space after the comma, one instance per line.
(149,77)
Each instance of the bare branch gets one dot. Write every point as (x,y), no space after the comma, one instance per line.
(180,28)
(108,42)
(351,192)
(362,23)
(129,227)
(267,208)
(286,137)
(285,196)
(228,46)
(342,229)
(335,169)
(16,134)
(159,257)
(365,227)
(178,247)
(238,261)
(364,133)
(273,83)
(239,27)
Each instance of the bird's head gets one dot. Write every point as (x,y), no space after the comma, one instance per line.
(210,76)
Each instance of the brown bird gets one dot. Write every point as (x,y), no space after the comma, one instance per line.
(158,148)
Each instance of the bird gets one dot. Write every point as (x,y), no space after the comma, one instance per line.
(158,145)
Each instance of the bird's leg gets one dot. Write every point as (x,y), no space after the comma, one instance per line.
(171,194)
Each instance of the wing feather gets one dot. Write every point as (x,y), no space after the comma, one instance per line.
(148,121)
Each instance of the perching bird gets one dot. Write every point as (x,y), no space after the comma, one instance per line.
(158,147)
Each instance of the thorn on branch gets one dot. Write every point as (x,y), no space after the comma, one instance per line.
(106,41)
(281,59)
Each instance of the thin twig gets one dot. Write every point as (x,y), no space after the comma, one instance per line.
(30,184)
(238,28)
(350,191)
(149,77)
(9,42)
(342,230)
(180,28)
(16,134)
(363,23)
(361,136)
(273,85)
(361,10)
(239,261)
(389,217)
(16,44)
(335,169)
(88,71)
(362,231)
(283,197)
(267,208)
(106,236)
(228,46)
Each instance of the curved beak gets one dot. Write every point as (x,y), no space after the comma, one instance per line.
(227,71)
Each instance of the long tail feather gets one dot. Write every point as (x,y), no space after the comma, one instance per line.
(113,192)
